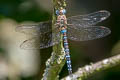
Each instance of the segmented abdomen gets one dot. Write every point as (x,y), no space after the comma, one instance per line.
(66,48)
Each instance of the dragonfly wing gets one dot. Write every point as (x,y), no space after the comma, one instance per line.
(89,19)
(33,43)
(43,41)
(35,29)
(50,39)
(88,33)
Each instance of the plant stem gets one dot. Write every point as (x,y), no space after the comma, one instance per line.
(91,69)
(56,61)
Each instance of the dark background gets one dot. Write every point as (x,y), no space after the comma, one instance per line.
(24,66)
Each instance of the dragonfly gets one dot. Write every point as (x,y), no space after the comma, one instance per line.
(79,28)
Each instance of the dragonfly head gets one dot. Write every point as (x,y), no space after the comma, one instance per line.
(61,11)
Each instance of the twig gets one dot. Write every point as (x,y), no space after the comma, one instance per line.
(88,70)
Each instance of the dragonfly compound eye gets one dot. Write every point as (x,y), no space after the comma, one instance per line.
(64,11)
(57,12)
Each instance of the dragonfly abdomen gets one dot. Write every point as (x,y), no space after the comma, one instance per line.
(66,47)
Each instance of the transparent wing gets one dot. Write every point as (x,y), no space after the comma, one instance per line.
(43,41)
(35,29)
(89,33)
(89,19)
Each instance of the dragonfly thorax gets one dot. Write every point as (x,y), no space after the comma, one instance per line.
(62,24)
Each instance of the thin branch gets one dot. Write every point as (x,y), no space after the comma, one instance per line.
(88,70)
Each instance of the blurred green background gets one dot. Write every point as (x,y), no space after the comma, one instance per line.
(18,64)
